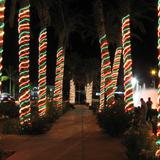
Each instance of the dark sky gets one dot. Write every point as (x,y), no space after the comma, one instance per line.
(144,51)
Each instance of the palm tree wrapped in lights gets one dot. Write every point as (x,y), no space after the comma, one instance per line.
(24,51)
(2,9)
(44,16)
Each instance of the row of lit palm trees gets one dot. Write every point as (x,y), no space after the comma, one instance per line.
(108,83)
(107,91)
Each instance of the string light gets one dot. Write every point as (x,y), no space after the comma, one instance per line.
(72,92)
(42,72)
(102,89)
(58,91)
(158,108)
(127,60)
(24,81)
(89,91)
(106,71)
(2,9)
(116,65)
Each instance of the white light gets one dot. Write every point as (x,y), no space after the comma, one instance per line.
(97,94)
(159,73)
(134,81)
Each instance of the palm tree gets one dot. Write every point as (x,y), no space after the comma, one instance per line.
(116,66)
(2,9)
(43,14)
(128,14)
(24,51)
(158,108)
(72,92)
(42,72)
(106,79)
(64,23)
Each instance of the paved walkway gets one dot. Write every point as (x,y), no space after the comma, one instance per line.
(75,136)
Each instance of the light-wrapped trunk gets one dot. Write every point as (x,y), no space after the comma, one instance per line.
(158,108)
(106,89)
(24,51)
(89,92)
(127,61)
(116,66)
(42,69)
(58,90)
(2,9)
(72,92)
(106,69)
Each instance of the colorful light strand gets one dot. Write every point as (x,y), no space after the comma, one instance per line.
(116,65)
(24,80)
(127,60)
(106,70)
(58,91)
(158,108)
(42,88)
(102,89)
(2,9)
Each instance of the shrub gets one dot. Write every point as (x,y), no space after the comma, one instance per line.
(9,109)
(67,107)
(139,145)
(52,114)
(39,126)
(11,126)
(114,120)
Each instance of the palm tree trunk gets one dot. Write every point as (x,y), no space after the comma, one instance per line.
(58,91)
(72,92)
(127,60)
(106,78)
(13,89)
(158,108)
(116,66)
(2,9)
(86,91)
(42,88)
(12,12)
(90,93)
(24,51)
(10,85)
(106,69)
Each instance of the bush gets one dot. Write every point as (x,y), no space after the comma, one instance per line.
(11,126)
(114,120)
(4,155)
(139,145)
(9,109)
(39,126)
(67,107)
(52,114)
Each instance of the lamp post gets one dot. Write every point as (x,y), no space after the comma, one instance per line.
(154,73)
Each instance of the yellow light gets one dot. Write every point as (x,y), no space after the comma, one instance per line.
(153,72)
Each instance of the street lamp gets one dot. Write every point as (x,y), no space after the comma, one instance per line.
(154,73)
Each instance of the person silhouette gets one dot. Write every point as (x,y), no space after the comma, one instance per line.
(143,110)
(149,109)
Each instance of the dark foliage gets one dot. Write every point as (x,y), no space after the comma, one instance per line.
(140,145)
(115,121)
(9,109)
(11,126)
(41,125)
(67,107)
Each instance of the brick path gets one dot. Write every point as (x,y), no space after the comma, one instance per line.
(75,136)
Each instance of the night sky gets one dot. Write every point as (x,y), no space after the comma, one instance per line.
(144,52)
